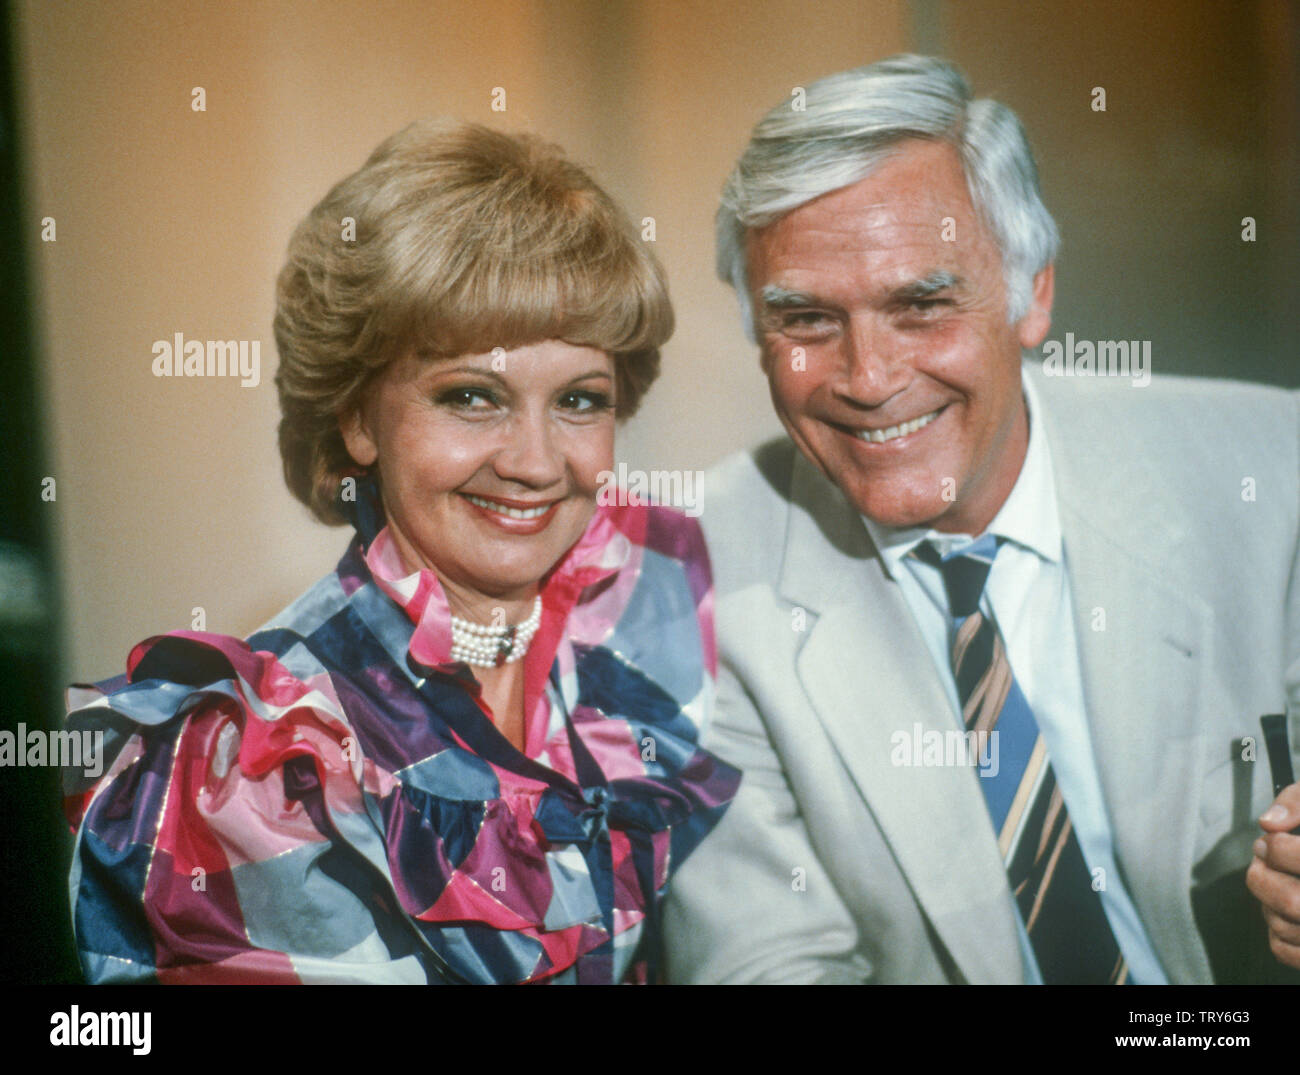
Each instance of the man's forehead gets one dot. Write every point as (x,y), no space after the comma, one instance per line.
(870,207)
(907,198)
(886,254)
(880,233)
(824,265)
(916,217)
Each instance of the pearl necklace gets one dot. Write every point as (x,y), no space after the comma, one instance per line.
(490,647)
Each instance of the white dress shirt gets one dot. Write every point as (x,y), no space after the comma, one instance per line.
(1028,594)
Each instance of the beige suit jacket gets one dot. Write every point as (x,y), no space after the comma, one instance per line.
(1180,512)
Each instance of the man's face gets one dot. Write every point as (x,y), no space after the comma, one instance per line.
(881,313)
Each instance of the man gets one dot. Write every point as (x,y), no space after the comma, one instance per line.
(995,644)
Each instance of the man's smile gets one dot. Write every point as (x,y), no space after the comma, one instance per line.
(894,437)
(903,429)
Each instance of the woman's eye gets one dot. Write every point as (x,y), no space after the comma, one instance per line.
(585,402)
(475,399)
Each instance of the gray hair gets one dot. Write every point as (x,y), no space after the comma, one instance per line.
(850,123)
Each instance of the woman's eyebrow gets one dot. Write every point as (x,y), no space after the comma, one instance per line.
(450,366)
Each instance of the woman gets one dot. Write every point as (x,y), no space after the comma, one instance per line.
(469,754)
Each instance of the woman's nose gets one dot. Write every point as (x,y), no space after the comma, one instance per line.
(529,455)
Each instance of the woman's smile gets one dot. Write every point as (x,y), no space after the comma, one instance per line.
(514,516)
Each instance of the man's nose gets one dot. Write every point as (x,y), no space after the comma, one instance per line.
(530,455)
(875,364)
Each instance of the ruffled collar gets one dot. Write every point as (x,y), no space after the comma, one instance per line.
(601,551)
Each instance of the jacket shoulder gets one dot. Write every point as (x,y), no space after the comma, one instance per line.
(746,509)
(1201,408)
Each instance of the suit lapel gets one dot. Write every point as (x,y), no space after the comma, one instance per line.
(1141,648)
(873,685)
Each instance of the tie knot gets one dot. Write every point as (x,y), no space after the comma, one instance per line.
(964,573)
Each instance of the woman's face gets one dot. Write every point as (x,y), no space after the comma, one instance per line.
(489,463)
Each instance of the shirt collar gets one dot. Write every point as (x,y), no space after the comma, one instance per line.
(1028,517)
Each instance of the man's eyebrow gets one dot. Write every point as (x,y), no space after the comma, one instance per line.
(782,298)
(775,297)
(930,284)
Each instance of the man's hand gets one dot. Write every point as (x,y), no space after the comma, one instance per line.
(1274,875)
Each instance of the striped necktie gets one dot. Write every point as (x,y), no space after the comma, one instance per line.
(1053,887)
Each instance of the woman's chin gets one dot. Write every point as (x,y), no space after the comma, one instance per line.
(503,580)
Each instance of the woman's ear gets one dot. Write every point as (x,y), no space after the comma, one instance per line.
(357,437)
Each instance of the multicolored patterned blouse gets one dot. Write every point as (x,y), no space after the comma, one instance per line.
(330,801)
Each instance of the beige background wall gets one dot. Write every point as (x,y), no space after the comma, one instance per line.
(169,494)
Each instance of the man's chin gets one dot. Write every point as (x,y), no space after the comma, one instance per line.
(905,515)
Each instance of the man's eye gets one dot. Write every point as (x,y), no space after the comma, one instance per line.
(928,306)
(805,324)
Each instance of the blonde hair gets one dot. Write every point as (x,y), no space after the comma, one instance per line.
(452,239)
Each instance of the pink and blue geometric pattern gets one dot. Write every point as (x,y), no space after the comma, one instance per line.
(330,802)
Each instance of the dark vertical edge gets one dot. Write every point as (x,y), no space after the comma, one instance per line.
(37,944)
